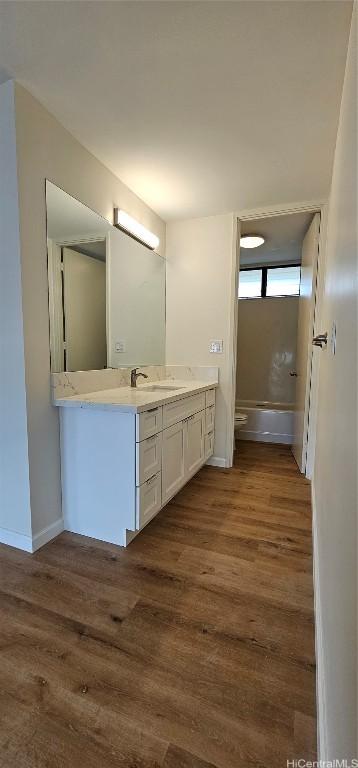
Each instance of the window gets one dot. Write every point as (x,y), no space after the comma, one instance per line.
(283,281)
(250,283)
(269,282)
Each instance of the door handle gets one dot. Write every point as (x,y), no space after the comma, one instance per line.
(320,340)
(293,373)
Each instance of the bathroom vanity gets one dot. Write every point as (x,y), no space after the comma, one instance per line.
(125,452)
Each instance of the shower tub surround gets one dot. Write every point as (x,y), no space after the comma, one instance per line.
(125,452)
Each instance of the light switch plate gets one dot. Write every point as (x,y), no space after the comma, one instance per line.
(216,346)
(120,346)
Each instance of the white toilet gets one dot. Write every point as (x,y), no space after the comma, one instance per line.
(240,422)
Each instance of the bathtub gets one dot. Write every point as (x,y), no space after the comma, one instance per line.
(266,422)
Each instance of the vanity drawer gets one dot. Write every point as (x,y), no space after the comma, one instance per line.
(182,409)
(209,445)
(209,398)
(209,419)
(148,423)
(148,500)
(148,458)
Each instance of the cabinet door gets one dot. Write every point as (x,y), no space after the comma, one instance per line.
(173,470)
(209,445)
(209,398)
(194,443)
(209,419)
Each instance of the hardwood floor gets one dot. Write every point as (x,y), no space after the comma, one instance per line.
(193,648)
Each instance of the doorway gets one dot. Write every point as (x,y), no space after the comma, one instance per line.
(304,349)
(84,308)
(276,315)
(77,303)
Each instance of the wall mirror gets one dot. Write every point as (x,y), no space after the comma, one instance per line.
(106,291)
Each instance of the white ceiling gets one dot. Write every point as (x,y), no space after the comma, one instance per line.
(95,250)
(68,219)
(283,239)
(200,107)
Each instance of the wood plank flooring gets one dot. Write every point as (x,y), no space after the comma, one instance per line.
(193,648)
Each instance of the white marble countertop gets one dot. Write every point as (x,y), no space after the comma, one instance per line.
(138,399)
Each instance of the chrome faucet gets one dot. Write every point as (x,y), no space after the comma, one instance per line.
(135,376)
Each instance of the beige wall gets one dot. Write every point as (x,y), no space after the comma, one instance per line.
(200,267)
(135,301)
(14,477)
(335,471)
(46,150)
(266,349)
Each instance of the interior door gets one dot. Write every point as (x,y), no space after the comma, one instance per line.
(173,468)
(306,306)
(194,444)
(84,306)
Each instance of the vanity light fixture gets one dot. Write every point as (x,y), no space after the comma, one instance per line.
(251,241)
(124,221)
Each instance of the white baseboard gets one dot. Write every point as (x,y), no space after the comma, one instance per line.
(17,540)
(48,533)
(217,461)
(129,536)
(31,543)
(320,666)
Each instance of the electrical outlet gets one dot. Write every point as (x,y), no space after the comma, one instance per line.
(120,346)
(216,346)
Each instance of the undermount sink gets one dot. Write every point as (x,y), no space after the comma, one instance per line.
(159,388)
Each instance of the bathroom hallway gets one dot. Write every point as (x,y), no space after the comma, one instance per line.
(193,648)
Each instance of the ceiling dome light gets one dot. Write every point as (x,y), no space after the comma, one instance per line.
(251,241)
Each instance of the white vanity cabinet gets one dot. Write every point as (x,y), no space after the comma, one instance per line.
(120,468)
